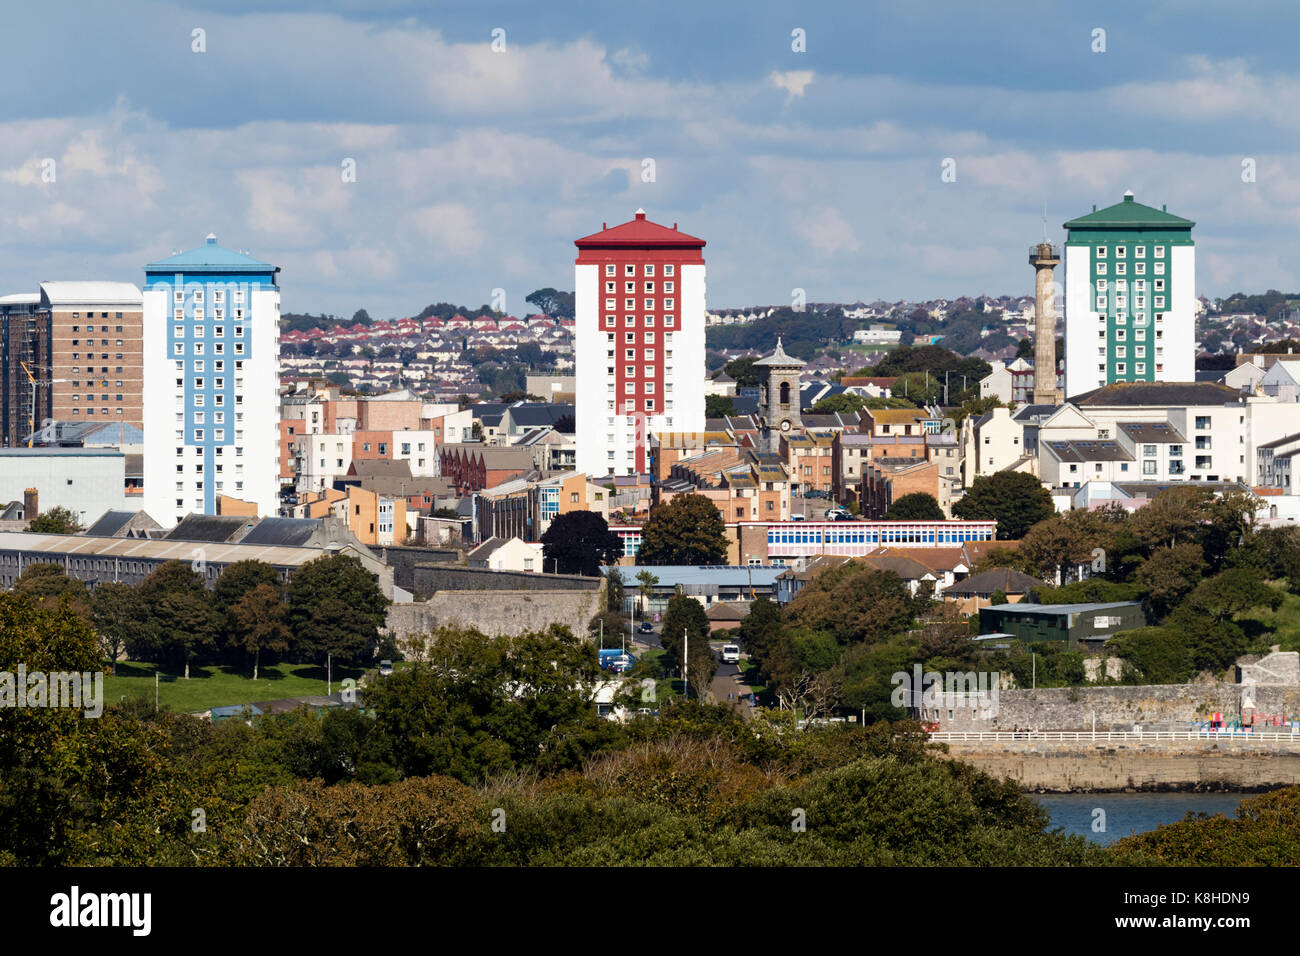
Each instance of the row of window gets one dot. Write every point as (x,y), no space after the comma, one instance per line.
(1139,268)
(630,288)
(219,348)
(181,449)
(630,321)
(668,306)
(218,295)
(91,315)
(91,328)
(1139,252)
(630,270)
(217,366)
(218,331)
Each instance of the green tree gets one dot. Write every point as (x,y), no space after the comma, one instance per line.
(743,371)
(687,530)
(116,613)
(1156,655)
(1014,499)
(1170,574)
(917,506)
(335,608)
(181,626)
(854,603)
(686,631)
(238,579)
(614,589)
(845,403)
(646,581)
(719,406)
(47,585)
(476,706)
(58,520)
(761,628)
(552,302)
(579,542)
(258,622)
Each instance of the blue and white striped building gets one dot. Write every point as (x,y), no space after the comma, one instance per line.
(211,382)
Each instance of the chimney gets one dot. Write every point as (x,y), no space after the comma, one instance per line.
(31,508)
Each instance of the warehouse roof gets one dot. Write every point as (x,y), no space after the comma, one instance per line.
(162,549)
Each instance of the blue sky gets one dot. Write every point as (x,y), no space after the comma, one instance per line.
(476,170)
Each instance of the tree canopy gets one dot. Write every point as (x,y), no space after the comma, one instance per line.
(688,529)
(579,542)
(1014,499)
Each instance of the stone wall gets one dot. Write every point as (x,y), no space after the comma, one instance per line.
(1221,765)
(1120,708)
(497,613)
(432,578)
(404,560)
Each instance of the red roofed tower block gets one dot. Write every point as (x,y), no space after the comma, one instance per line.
(638,342)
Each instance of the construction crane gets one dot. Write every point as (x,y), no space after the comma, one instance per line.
(31,418)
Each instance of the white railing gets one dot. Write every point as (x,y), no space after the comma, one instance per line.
(1029,737)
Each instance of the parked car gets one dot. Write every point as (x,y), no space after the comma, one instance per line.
(646,627)
(385,668)
(731,653)
(798,517)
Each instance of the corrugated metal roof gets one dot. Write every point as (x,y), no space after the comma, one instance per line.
(91,293)
(160,549)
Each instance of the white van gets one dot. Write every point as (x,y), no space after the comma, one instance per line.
(731,653)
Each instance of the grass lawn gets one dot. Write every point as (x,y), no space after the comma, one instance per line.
(217,686)
(1283,624)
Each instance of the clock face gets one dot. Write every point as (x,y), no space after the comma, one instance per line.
(785,425)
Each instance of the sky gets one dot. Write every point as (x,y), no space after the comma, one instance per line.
(485,137)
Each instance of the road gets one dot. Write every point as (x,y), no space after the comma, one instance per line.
(728,683)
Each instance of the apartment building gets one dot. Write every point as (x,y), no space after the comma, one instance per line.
(1159,431)
(1130,304)
(212,382)
(24,341)
(638,342)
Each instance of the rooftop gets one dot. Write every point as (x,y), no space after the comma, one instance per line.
(639,231)
(210,257)
(91,293)
(1119,394)
(1129,214)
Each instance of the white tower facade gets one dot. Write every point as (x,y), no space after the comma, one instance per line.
(1130,297)
(639,293)
(211,383)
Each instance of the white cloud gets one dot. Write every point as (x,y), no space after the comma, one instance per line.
(794,82)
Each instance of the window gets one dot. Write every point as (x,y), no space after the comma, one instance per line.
(1202,422)
(1101,252)
(1120,268)
(1160,252)
(1101,268)
(668,270)
(1148,467)
(609,268)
